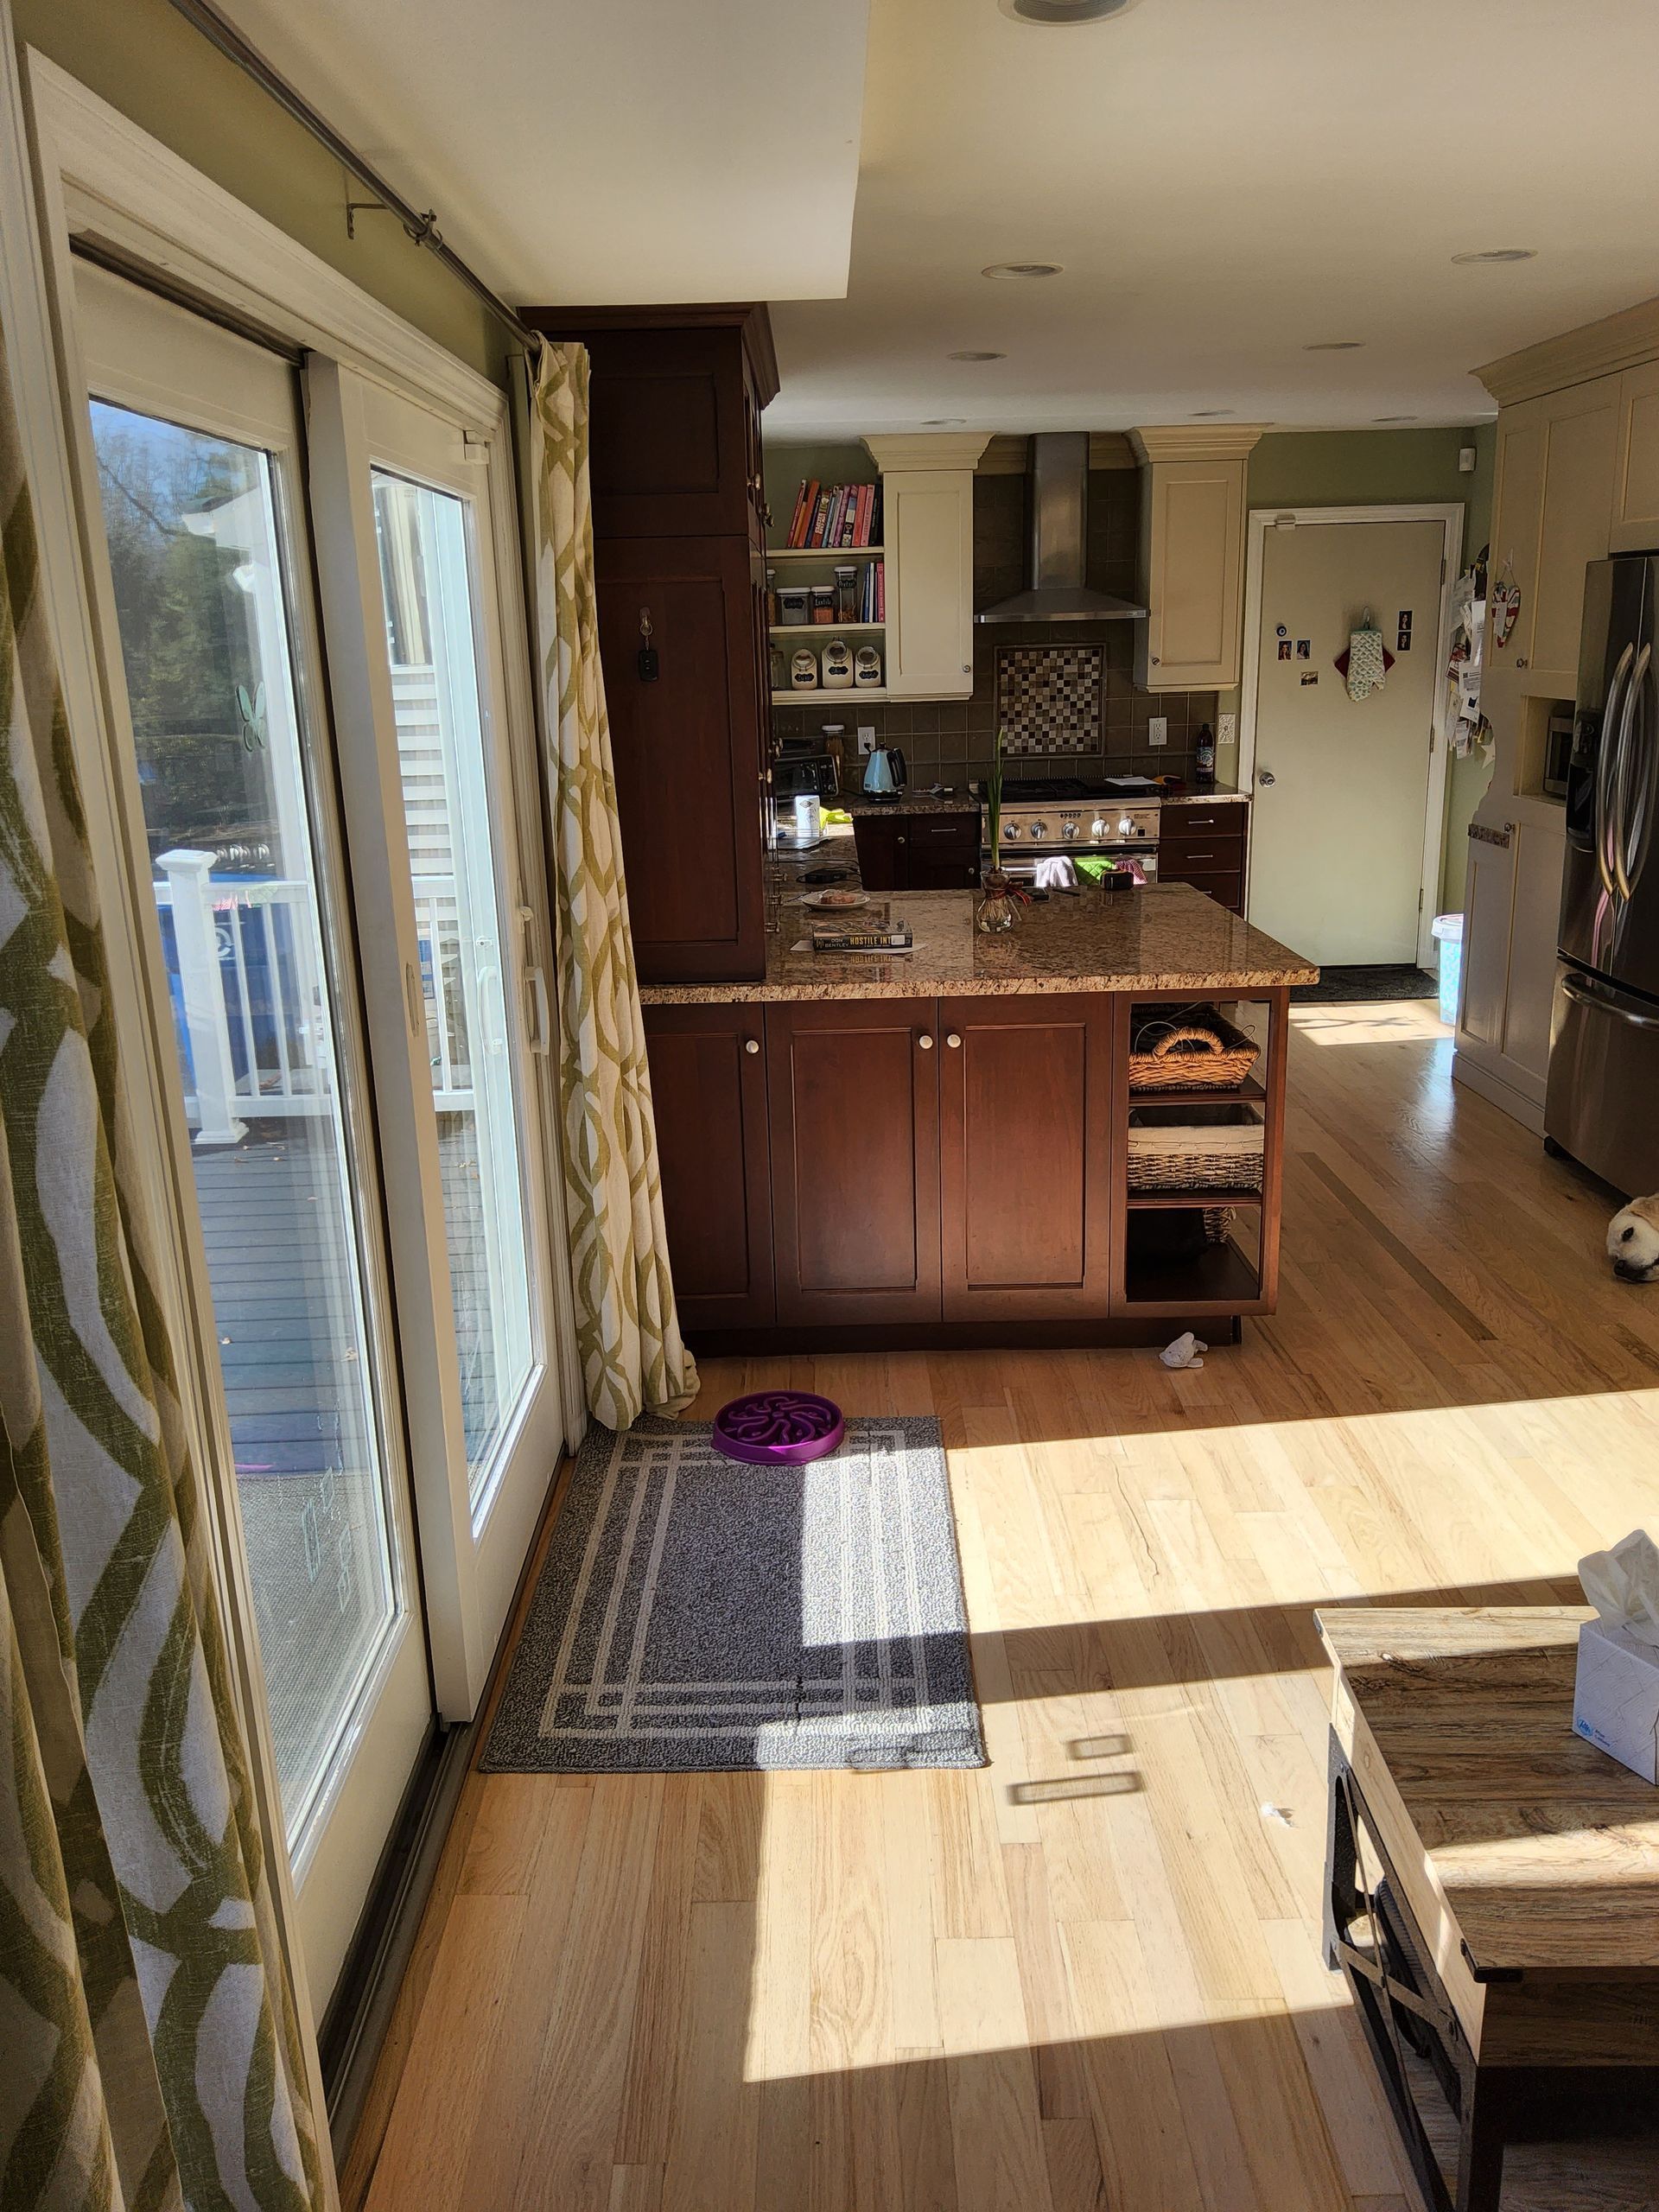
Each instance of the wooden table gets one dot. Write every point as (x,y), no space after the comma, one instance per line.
(1492,1892)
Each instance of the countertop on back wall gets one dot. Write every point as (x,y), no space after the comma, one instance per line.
(962,800)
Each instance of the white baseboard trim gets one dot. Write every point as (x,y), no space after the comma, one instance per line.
(1529,1112)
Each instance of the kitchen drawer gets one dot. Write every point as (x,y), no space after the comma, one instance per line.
(1224,886)
(1190,853)
(1226,820)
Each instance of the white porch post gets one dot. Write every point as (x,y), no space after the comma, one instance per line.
(203,985)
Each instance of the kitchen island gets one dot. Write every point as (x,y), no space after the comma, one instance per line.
(935,1148)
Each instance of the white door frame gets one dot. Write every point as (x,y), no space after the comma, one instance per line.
(1258,523)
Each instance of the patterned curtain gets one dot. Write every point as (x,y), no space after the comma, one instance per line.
(149,2049)
(626,1327)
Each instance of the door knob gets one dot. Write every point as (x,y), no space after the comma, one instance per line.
(953,1041)
(925,1042)
(1265,776)
(751,1044)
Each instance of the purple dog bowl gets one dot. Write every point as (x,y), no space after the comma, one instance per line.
(779,1429)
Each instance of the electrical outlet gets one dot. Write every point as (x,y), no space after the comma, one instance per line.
(1158,730)
(867,737)
(1226,730)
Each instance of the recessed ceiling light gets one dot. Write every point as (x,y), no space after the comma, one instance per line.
(1061,11)
(1210,414)
(1499,253)
(1393,418)
(975,357)
(1010,268)
(943,421)
(1334,345)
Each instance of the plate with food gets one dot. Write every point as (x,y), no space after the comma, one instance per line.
(835,901)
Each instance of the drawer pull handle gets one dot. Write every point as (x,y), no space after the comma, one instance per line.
(953,1041)
(751,1044)
(1200,857)
(924,1043)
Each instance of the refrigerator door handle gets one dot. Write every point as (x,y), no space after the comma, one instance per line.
(1606,758)
(1644,780)
(1624,775)
(1573,988)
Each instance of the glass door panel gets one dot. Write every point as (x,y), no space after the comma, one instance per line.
(431,633)
(191,522)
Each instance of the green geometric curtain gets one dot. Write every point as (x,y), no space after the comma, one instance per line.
(627,1330)
(149,2050)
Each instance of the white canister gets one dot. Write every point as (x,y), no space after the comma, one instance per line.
(808,816)
(867,668)
(836,662)
(803,670)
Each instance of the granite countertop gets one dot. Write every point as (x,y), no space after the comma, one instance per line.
(1205,799)
(909,801)
(1165,938)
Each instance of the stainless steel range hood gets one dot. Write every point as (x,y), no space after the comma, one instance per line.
(1059,468)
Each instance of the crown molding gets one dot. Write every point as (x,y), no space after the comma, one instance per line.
(1008,453)
(1594,349)
(928,450)
(1197,441)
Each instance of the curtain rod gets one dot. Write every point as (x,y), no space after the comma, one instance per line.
(422,228)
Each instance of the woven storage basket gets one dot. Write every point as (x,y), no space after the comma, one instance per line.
(1224,1155)
(1190,1048)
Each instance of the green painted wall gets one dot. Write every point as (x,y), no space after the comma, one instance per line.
(142,58)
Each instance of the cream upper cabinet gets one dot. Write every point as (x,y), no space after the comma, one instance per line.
(1635,474)
(1554,496)
(1191,573)
(927,497)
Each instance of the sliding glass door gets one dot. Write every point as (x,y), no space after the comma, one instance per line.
(197,441)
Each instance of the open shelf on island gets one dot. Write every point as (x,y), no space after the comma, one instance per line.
(1220,1279)
(1248,1093)
(1207,1201)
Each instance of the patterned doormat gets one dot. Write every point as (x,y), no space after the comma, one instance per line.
(693,1613)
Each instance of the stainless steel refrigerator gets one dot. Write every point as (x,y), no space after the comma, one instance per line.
(1602,1103)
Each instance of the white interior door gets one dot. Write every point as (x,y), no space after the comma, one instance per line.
(193,445)
(1342,785)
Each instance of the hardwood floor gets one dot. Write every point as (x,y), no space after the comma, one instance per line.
(1088,1976)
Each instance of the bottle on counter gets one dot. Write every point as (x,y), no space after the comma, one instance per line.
(1204,763)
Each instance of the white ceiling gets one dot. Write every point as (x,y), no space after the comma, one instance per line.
(600,150)
(1226,180)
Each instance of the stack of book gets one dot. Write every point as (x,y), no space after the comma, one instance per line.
(835,516)
(874,931)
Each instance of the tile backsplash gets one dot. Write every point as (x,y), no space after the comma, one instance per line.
(950,742)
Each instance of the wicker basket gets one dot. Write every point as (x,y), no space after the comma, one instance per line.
(1221,1153)
(1189,1048)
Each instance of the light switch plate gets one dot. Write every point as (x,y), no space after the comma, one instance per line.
(1158,730)
(867,737)
(1226,730)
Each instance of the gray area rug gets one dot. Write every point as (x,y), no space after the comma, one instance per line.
(693,1614)
(1355,986)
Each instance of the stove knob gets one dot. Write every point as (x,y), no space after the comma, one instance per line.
(1039,829)
(1128,826)
(1068,828)
(1097,828)
(1011,830)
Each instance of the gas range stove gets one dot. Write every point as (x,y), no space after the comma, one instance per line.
(1065,814)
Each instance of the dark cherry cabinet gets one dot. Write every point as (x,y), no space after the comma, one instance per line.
(1203,845)
(853,1090)
(676,396)
(917,852)
(688,788)
(1025,1127)
(708,1090)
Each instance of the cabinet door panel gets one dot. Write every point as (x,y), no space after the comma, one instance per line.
(930,532)
(1025,1127)
(1578,503)
(671,437)
(853,1097)
(1488,903)
(708,1090)
(1192,569)
(1635,482)
(687,778)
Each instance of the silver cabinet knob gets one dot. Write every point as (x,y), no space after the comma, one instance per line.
(953,1041)
(1520,660)
(925,1042)
(1266,776)
(751,1044)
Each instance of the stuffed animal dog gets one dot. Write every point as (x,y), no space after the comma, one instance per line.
(1633,1241)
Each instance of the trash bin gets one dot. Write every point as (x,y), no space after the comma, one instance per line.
(1448,930)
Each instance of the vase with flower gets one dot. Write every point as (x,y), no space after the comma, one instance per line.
(999,907)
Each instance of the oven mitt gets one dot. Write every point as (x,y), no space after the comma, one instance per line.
(1367,667)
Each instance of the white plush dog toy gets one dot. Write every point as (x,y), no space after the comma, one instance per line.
(1633,1241)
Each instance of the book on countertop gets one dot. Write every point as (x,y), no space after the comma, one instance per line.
(872,931)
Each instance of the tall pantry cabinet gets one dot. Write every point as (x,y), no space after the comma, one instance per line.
(679,530)
(1577,477)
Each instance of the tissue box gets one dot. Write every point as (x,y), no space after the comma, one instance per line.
(1616,1698)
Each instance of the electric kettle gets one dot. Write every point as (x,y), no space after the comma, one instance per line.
(884,773)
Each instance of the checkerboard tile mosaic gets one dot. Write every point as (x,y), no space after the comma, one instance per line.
(1049,697)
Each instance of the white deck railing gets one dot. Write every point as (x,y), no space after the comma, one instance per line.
(256,1023)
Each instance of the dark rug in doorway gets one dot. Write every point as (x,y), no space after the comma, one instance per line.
(693,1613)
(1350,985)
